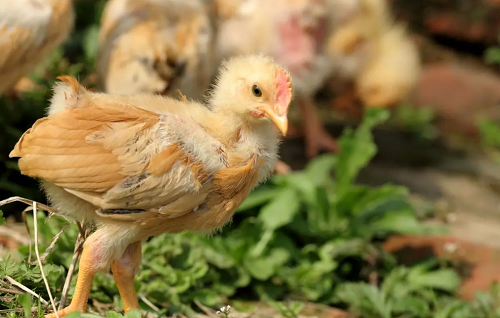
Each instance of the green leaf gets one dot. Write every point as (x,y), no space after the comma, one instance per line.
(135,313)
(113,314)
(258,197)
(358,149)
(259,268)
(450,309)
(377,201)
(319,170)
(25,302)
(492,55)
(444,279)
(281,210)
(91,43)
(366,300)
(403,222)
(416,306)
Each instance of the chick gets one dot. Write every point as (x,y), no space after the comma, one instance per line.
(376,53)
(29,31)
(358,26)
(293,32)
(141,165)
(156,46)
(392,72)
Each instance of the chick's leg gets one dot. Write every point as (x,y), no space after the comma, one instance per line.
(281,167)
(86,275)
(124,270)
(316,137)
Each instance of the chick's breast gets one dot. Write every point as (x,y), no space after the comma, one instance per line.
(29,31)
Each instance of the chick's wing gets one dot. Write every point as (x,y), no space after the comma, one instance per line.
(121,157)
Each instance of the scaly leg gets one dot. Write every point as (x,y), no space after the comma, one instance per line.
(316,136)
(124,270)
(281,167)
(86,275)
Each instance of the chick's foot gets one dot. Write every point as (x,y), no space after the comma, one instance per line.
(318,139)
(281,167)
(124,270)
(65,311)
(84,280)
(316,136)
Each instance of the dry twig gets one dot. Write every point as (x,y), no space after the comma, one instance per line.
(35,225)
(205,309)
(11,291)
(148,302)
(26,289)
(33,309)
(51,246)
(25,221)
(28,202)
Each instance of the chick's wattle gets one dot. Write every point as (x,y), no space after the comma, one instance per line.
(141,165)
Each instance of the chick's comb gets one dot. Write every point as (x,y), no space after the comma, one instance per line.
(284,89)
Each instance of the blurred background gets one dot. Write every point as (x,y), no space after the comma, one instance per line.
(386,202)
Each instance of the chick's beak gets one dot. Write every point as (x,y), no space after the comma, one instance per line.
(280,119)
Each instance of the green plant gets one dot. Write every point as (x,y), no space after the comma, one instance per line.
(492,54)
(410,292)
(297,236)
(405,291)
(419,122)
(490,137)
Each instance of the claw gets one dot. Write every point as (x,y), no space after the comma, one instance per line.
(316,137)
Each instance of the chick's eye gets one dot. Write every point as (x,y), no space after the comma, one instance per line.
(256,91)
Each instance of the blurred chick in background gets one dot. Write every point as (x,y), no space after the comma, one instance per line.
(29,31)
(156,46)
(293,32)
(375,52)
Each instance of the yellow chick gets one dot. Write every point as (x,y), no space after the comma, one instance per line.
(293,32)
(374,51)
(136,172)
(358,25)
(392,72)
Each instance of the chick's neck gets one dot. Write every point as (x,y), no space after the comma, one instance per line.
(240,134)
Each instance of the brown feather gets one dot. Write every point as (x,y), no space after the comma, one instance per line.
(67,144)
(164,161)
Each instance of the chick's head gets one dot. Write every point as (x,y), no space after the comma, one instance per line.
(255,89)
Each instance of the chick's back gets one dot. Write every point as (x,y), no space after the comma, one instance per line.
(112,154)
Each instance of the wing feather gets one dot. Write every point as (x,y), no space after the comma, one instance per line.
(119,156)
